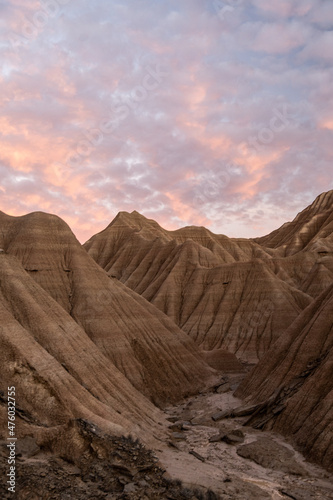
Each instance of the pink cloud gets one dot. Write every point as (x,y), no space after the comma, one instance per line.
(182,153)
(285,8)
(319,47)
(279,38)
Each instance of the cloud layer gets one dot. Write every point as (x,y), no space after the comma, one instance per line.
(208,113)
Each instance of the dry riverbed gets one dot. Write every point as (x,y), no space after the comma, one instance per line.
(201,459)
(236,462)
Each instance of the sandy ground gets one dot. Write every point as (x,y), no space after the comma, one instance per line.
(284,473)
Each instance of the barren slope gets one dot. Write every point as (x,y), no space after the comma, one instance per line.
(312,228)
(302,250)
(58,372)
(145,345)
(225,293)
(295,379)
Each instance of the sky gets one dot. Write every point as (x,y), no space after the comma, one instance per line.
(193,112)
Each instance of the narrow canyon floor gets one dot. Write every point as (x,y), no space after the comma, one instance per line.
(201,459)
(247,463)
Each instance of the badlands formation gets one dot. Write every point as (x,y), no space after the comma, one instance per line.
(110,343)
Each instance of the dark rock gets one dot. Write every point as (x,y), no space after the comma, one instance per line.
(216,438)
(220,415)
(196,455)
(243,411)
(286,494)
(223,388)
(172,444)
(268,453)
(173,419)
(180,425)
(233,437)
(278,409)
(178,436)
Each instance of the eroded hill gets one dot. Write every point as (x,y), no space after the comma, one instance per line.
(235,294)
(145,345)
(103,333)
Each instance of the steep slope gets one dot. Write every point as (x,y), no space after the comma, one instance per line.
(58,372)
(302,250)
(145,345)
(314,225)
(295,379)
(225,293)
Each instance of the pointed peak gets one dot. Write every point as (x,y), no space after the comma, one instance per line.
(321,203)
(131,218)
(134,221)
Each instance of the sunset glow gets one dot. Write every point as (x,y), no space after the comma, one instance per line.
(168,108)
